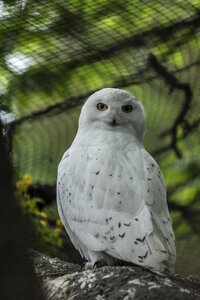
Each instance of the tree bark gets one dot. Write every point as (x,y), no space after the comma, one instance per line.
(62,280)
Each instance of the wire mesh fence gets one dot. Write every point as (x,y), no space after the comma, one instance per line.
(54,54)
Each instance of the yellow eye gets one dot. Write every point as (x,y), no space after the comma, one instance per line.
(102,106)
(127,108)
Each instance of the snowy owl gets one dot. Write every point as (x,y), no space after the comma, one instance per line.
(111,194)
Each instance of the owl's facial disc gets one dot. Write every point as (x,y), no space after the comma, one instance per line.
(113,109)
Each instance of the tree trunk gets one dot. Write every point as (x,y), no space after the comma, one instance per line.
(17,279)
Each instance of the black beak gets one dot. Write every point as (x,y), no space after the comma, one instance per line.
(114,122)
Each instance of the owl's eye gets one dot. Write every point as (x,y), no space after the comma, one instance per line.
(127,108)
(101,106)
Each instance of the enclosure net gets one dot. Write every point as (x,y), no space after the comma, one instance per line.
(55,53)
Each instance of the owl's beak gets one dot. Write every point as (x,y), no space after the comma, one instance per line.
(114,123)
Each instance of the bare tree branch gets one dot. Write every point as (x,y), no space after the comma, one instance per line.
(74,101)
(137,40)
(188,212)
(173,84)
(71,102)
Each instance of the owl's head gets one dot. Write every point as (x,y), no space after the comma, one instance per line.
(113,109)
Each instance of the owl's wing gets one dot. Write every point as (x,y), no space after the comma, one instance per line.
(161,239)
(61,204)
(148,237)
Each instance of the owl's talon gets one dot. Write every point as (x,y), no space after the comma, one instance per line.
(98,264)
(87,266)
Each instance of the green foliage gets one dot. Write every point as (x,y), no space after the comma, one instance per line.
(182,179)
(44,236)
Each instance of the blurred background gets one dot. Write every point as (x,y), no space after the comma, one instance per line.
(55,53)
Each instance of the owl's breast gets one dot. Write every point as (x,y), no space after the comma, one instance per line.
(103,178)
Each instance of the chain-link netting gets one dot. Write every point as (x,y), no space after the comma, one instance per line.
(54,54)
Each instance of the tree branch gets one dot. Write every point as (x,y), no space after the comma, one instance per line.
(71,102)
(136,41)
(63,280)
(74,101)
(173,84)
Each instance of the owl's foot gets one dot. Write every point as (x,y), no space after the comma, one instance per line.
(86,266)
(89,266)
(99,264)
